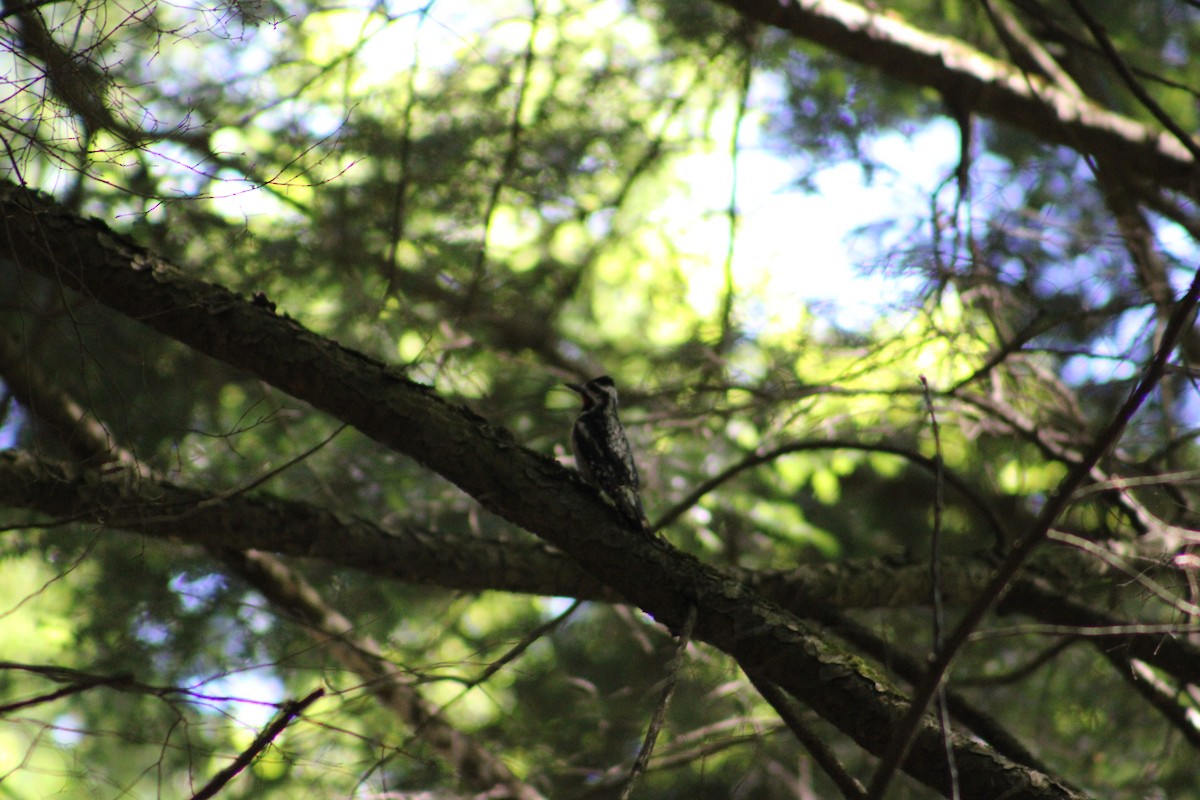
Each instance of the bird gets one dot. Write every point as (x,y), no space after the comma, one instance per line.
(602,452)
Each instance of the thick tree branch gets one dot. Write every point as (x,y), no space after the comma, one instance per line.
(79,83)
(528,489)
(122,500)
(981,85)
(1131,80)
(119,499)
(289,593)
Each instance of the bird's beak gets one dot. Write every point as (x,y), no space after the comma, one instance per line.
(574,387)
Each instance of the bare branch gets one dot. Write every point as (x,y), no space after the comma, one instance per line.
(791,713)
(767,456)
(1135,86)
(980,84)
(660,711)
(290,710)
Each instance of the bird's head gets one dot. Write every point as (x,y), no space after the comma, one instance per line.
(596,392)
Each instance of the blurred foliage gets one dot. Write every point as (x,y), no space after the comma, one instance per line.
(497,198)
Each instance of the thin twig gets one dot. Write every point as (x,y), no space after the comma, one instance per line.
(507,658)
(1162,696)
(935,582)
(81,684)
(935,549)
(759,458)
(1088,631)
(1143,97)
(789,711)
(1117,563)
(660,713)
(516,132)
(290,710)
(1021,672)
(399,208)
(731,213)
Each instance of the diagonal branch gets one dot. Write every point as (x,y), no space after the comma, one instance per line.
(1040,529)
(1131,80)
(981,84)
(522,486)
(289,712)
(791,713)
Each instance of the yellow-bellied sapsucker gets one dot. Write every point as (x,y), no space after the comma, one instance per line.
(602,453)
